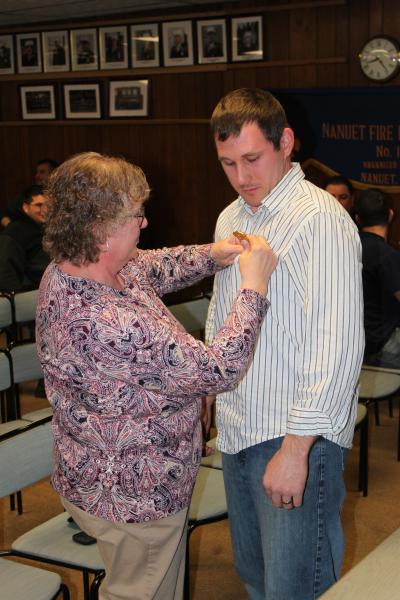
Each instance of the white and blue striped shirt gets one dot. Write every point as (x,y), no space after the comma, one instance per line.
(303,379)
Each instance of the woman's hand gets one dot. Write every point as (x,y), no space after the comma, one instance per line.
(225,251)
(257,263)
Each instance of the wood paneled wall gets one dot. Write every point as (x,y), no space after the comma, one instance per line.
(309,44)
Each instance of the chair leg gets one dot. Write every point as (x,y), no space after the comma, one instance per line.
(186,585)
(94,588)
(19,503)
(398,439)
(390,403)
(86,585)
(363,463)
(65,591)
(12,502)
(376,408)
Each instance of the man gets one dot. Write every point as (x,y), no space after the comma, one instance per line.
(342,189)
(212,45)
(283,431)
(22,258)
(381,280)
(13,210)
(179,48)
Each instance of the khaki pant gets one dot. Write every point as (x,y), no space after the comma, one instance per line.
(143,561)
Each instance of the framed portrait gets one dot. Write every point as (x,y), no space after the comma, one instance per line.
(82,101)
(129,98)
(113,47)
(84,52)
(55,51)
(211,41)
(29,56)
(247,38)
(6,54)
(177,43)
(145,47)
(37,102)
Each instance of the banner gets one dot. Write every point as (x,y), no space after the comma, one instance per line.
(352,131)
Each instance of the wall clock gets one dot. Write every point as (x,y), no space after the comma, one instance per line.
(380,58)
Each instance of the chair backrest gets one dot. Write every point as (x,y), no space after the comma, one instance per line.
(6,318)
(25,306)
(25,362)
(5,371)
(25,458)
(191,314)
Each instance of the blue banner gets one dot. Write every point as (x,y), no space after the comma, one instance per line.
(352,131)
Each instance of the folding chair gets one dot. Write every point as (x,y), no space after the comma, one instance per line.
(25,458)
(6,316)
(24,311)
(19,581)
(208,505)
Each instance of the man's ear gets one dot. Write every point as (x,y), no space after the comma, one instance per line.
(287,141)
(25,207)
(390,215)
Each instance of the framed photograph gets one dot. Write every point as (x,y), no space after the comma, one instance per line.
(247,38)
(211,41)
(145,48)
(84,53)
(113,47)
(82,101)
(29,54)
(6,54)
(37,102)
(55,51)
(129,98)
(177,43)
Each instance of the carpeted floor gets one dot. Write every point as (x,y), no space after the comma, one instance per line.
(367,521)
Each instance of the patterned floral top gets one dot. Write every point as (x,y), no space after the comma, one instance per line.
(125,381)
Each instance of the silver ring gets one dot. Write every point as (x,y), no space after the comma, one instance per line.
(289,502)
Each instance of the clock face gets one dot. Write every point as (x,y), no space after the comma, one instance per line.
(380,58)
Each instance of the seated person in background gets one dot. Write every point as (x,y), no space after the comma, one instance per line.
(381,280)
(22,258)
(13,210)
(342,189)
(123,376)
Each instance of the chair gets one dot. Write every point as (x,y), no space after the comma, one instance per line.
(192,314)
(377,384)
(6,316)
(51,542)
(25,367)
(24,310)
(19,581)
(362,426)
(208,505)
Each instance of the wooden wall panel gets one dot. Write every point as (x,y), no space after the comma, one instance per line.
(308,44)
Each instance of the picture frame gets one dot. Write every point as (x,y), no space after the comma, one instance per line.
(84,50)
(145,46)
(177,43)
(247,38)
(113,47)
(129,98)
(7,64)
(82,101)
(55,51)
(37,102)
(29,53)
(211,41)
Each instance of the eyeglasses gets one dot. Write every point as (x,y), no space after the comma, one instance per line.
(140,217)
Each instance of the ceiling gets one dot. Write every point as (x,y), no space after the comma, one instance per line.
(27,12)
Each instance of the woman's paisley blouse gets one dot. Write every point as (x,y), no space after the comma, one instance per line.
(125,381)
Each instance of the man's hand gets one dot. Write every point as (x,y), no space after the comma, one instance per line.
(286,473)
(206,418)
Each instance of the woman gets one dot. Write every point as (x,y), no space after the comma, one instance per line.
(123,377)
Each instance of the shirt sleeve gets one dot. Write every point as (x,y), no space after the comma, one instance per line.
(143,348)
(171,269)
(333,337)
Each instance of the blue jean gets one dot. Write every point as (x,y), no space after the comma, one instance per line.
(286,554)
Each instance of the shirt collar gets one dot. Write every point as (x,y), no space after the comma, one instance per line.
(280,195)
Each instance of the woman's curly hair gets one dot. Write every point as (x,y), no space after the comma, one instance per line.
(89,196)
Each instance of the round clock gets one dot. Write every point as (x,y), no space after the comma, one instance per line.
(380,58)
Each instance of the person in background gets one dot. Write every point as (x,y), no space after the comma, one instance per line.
(381,280)
(123,376)
(13,209)
(284,430)
(22,258)
(342,189)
